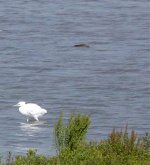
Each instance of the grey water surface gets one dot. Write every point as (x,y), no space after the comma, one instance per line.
(110,80)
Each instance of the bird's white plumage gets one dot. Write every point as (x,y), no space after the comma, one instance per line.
(31,110)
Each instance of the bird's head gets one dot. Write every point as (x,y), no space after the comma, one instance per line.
(19,104)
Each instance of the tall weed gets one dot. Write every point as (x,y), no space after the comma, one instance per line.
(72,134)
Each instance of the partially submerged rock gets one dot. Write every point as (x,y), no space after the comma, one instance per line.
(82,45)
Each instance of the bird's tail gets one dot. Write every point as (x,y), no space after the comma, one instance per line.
(45,111)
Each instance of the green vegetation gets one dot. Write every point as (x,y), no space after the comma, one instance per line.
(71,135)
(120,148)
(146,140)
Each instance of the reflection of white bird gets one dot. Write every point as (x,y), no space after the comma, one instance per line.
(30,110)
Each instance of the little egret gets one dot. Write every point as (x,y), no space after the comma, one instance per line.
(30,110)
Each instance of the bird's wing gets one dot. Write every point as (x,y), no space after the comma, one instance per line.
(35,110)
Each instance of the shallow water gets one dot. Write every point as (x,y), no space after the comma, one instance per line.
(38,63)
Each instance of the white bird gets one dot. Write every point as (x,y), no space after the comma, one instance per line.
(30,110)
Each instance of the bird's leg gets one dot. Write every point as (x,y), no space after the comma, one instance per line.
(36,118)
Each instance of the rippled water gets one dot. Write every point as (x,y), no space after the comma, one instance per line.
(38,63)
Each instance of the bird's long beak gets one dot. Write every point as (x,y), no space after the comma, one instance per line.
(16,105)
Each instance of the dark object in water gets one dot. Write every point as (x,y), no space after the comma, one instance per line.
(82,45)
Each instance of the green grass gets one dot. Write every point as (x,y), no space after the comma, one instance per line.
(120,148)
